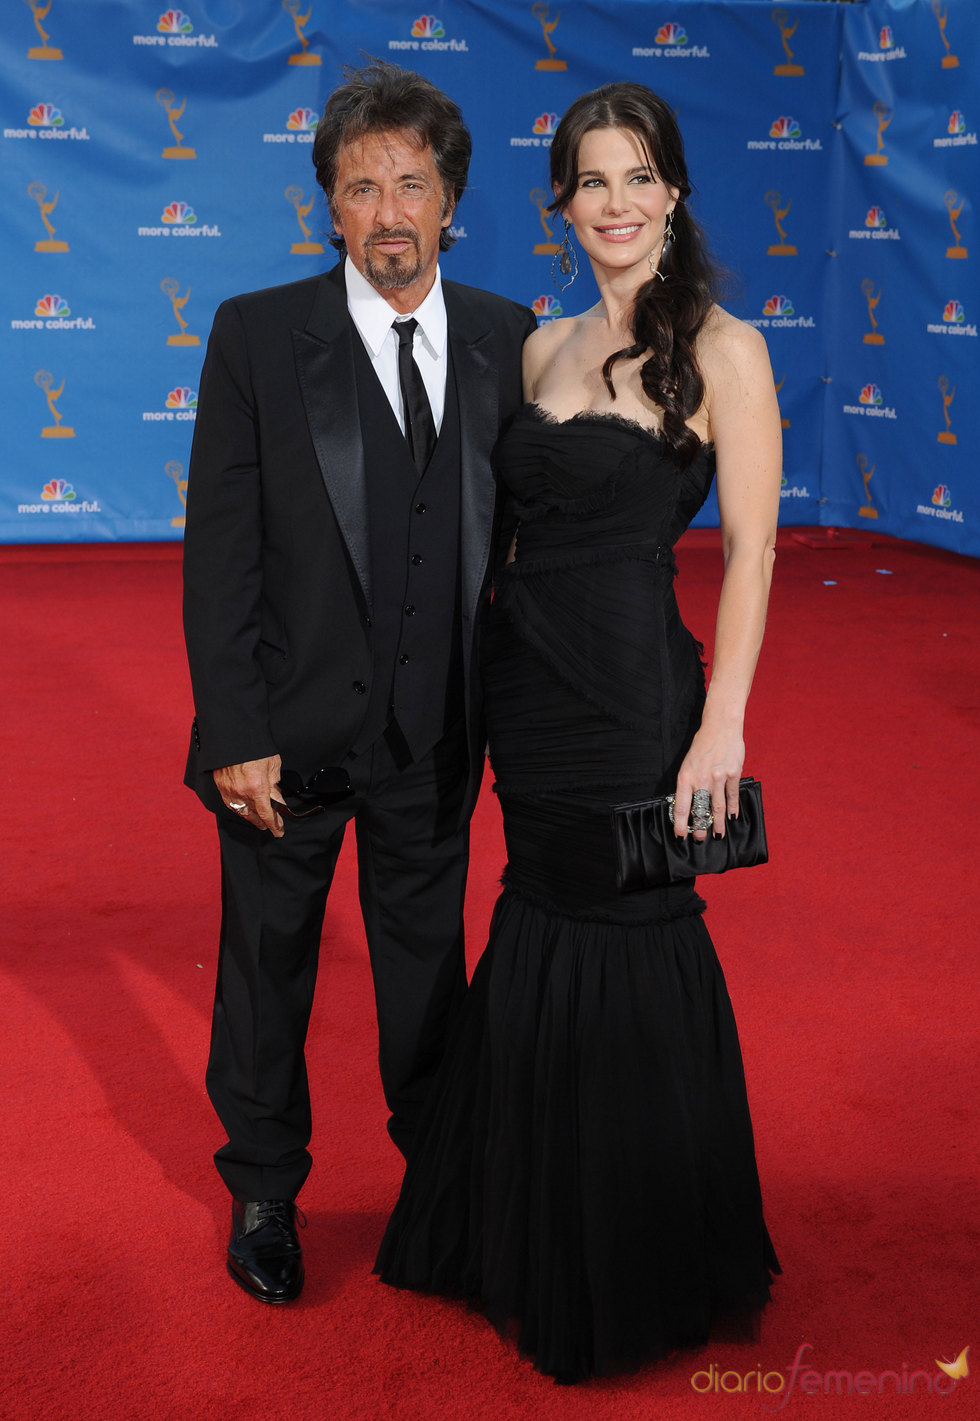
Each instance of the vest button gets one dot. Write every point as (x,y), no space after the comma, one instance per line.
(420,508)
(410,610)
(367,621)
(360,687)
(416,560)
(403,660)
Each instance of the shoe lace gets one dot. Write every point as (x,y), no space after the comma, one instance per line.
(279,1211)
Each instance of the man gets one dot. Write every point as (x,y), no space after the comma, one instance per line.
(340,527)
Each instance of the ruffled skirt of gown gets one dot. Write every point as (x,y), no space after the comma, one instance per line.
(585,1169)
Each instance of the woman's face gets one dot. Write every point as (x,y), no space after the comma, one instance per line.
(620,203)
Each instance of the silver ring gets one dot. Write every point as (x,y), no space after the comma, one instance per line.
(701,801)
(239,806)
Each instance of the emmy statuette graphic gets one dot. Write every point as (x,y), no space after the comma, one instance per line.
(540,198)
(868,510)
(39,192)
(786,33)
(782,248)
(884,115)
(166,99)
(306,247)
(946,436)
(949,58)
(45,379)
(541,13)
(169,286)
(43,50)
(783,421)
(175,471)
(957,251)
(874,336)
(305,55)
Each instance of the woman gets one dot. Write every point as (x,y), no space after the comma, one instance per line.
(585,1168)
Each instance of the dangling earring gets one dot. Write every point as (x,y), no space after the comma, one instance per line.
(566,260)
(668,242)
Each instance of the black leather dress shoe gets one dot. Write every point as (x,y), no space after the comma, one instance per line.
(264,1254)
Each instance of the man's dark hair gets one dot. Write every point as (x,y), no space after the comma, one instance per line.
(383,98)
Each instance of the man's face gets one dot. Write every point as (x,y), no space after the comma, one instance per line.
(388,206)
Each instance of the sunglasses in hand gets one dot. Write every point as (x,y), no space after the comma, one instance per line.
(326,786)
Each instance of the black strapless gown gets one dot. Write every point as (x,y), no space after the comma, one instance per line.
(585,1169)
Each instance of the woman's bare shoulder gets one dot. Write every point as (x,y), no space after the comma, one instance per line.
(541,348)
(724,338)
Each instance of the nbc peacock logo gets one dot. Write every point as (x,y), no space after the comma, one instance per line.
(875,226)
(300,127)
(178,219)
(59,496)
(956,135)
(301,121)
(52,313)
(175,29)
(887,48)
(179,214)
(778,311)
(429,33)
(786,136)
(45,116)
(58,491)
(428,27)
(954,322)
(941,506)
(671,42)
(174,22)
(46,122)
(871,402)
(180,404)
(182,397)
(52,306)
(671,33)
(542,132)
(547,308)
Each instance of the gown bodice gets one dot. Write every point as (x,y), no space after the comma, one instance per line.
(595,482)
(598,505)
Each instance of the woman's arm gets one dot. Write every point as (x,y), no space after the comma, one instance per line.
(744,423)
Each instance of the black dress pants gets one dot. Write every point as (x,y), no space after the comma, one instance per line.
(412,862)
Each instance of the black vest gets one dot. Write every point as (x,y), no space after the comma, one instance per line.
(417,675)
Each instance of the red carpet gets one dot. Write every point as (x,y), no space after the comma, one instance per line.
(851,960)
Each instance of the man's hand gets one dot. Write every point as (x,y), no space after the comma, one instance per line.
(251,785)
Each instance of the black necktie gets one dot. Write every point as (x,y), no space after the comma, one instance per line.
(419,428)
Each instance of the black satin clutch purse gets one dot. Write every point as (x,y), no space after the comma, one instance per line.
(650,855)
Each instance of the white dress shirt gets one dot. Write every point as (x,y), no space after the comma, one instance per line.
(374,319)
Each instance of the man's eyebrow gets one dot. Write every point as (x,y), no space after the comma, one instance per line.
(402,177)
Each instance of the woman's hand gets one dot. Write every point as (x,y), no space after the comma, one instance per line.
(713,764)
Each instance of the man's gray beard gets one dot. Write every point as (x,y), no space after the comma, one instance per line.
(389,274)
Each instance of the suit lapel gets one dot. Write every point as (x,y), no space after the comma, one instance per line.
(472,343)
(325,366)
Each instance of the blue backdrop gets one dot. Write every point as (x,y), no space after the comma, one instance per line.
(158,160)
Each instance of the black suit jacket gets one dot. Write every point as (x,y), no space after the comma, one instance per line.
(277,577)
